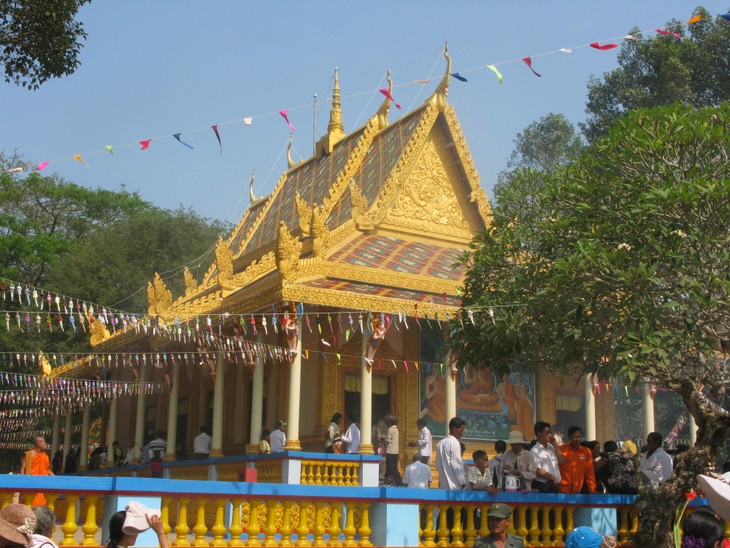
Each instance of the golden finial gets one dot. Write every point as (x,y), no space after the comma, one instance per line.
(439,96)
(335,126)
(289,159)
(250,188)
(384,109)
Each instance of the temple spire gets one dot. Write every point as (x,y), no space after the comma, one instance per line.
(439,96)
(335,129)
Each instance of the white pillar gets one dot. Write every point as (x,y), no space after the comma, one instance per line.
(647,409)
(67,436)
(590,403)
(112,432)
(216,445)
(56,435)
(84,460)
(450,375)
(257,398)
(295,395)
(692,430)
(172,413)
(139,432)
(366,401)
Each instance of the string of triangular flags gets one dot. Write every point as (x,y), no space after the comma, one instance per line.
(22,437)
(145,144)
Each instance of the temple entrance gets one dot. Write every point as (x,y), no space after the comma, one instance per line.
(570,411)
(381,397)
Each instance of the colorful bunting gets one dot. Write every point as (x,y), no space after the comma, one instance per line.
(494,69)
(145,144)
(247,121)
(725,16)
(694,19)
(528,62)
(110,149)
(284,115)
(459,77)
(667,33)
(41,166)
(80,160)
(603,47)
(217,136)
(388,96)
(177,136)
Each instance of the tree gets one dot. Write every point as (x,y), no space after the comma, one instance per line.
(541,148)
(39,40)
(625,276)
(658,70)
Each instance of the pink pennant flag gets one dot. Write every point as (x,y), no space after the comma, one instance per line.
(217,136)
(145,144)
(603,47)
(284,115)
(388,96)
(528,62)
(41,166)
(667,33)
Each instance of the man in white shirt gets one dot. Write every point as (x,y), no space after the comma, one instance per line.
(478,477)
(201,443)
(352,435)
(449,463)
(424,443)
(656,464)
(278,437)
(418,474)
(547,456)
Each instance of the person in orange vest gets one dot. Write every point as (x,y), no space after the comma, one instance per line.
(576,472)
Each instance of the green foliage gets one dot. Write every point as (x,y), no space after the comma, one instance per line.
(39,40)
(625,272)
(659,70)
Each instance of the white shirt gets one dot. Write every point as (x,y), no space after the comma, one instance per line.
(352,438)
(479,479)
(201,443)
(449,464)
(657,467)
(425,444)
(278,439)
(418,475)
(546,459)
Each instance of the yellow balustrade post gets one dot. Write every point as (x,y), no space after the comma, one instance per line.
(219,526)
(236,527)
(334,528)
(534,531)
(470,532)
(634,521)
(365,525)
(339,472)
(182,528)
(429,533)
(69,526)
(484,522)
(349,529)
(200,529)
(165,515)
(90,527)
(319,524)
(457,533)
(51,499)
(546,532)
(270,529)
(623,524)
(303,529)
(443,529)
(569,525)
(254,525)
(286,528)
(318,474)
(522,526)
(559,532)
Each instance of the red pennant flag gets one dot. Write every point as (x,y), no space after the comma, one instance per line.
(286,118)
(528,62)
(388,96)
(217,136)
(603,47)
(145,144)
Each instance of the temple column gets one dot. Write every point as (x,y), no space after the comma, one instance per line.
(56,434)
(139,432)
(366,401)
(113,412)
(172,413)
(295,394)
(84,460)
(216,445)
(450,374)
(647,408)
(590,403)
(692,430)
(257,400)
(67,436)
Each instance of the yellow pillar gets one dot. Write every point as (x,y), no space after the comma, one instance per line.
(67,436)
(112,432)
(450,374)
(90,527)
(295,392)
(257,398)
(83,462)
(366,401)
(216,445)
(590,402)
(172,413)
(647,409)
(139,432)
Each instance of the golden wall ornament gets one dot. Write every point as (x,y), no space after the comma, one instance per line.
(191,285)
(288,251)
(159,298)
(319,231)
(305,214)
(224,264)
(98,332)
(359,204)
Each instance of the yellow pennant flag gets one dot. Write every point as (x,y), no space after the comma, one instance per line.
(80,160)
(495,71)
(694,19)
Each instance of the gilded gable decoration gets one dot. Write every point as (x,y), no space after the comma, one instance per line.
(320,232)
(382,115)
(98,331)
(305,214)
(439,96)
(224,264)
(253,198)
(159,298)
(288,251)
(191,285)
(359,204)
(289,160)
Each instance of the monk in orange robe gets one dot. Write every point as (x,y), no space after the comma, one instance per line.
(36,463)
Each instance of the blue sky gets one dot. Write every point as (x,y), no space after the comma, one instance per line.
(152,69)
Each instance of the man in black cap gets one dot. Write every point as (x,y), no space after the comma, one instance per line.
(498,537)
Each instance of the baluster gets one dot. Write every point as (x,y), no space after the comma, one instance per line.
(334,528)
(349,529)
(182,528)
(51,499)
(254,525)
(522,529)
(443,529)
(286,528)
(69,526)
(236,527)
(5,498)
(270,529)
(457,532)
(303,475)
(470,532)
(310,474)
(634,521)
(346,473)
(165,515)
(569,525)
(365,525)
(559,532)
(546,532)
(303,529)
(534,531)
(483,521)
(340,471)
(318,474)
(319,524)
(429,533)
(90,527)
(219,526)
(200,529)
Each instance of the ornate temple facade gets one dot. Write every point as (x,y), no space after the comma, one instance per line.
(333,294)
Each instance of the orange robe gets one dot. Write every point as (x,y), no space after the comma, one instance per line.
(37,465)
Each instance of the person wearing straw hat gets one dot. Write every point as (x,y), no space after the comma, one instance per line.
(518,464)
(17,523)
(498,518)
